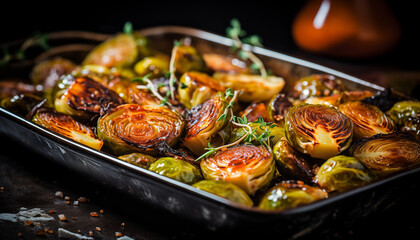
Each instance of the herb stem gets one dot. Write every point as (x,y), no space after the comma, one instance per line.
(172,69)
(152,88)
(238,43)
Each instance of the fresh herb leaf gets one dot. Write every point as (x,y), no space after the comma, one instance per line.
(128,28)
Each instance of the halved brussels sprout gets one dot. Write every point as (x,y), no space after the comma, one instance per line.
(223,63)
(132,128)
(249,167)
(276,132)
(196,88)
(20,104)
(67,126)
(225,190)
(138,159)
(290,163)
(317,85)
(278,107)
(177,169)
(47,73)
(318,130)
(188,59)
(342,173)
(130,92)
(256,110)
(121,51)
(412,126)
(388,153)
(368,120)
(157,65)
(251,87)
(290,194)
(85,98)
(402,111)
(98,73)
(203,124)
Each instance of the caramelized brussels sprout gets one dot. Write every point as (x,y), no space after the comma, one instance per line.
(402,111)
(290,163)
(225,190)
(119,51)
(157,65)
(256,110)
(98,73)
(20,104)
(278,108)
(131,92)
(350,96)
(332,100)
(222,63)
(249,167)
(196,88)
(406,115)
(342,173)
(387,153)
(318,130)
(317,85)
(188,59)
(67,126)
(368,120)
(133,128)
(203,126)
(47,73)
(177,169)
(85,98)
(252,87)
(290,194)
(138,159)
(276,132)
(11,88)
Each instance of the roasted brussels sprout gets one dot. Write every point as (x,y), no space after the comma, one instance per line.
(249,167)
(187,59)
(290,194)
(290,163)
(20,104)
(196,88)
(403,111)
(225,190)
(342,173)
(47,73)
(388,153)
(203,124)
(138,159)
(222,63)
(412,126)
(132,128)
(177,169)
(276,132)
(85,98)
(67,126)
(119,51)
(98,73)
(252,87)
(278,108)
(256,110)
(132,92)
(368,120)
(318,130)
(317,85)
(157,65)
(350,96)
(332,100)
(11,88)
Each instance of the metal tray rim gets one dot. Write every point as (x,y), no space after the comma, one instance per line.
(184,187)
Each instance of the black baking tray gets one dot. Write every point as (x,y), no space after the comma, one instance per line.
(208,210)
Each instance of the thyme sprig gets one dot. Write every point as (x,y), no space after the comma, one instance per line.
(250,134)
(235,32)
(151,87)
(172,69)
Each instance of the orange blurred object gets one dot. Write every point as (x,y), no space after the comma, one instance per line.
(346,28)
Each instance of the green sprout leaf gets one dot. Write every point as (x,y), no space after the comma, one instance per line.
(128,28)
